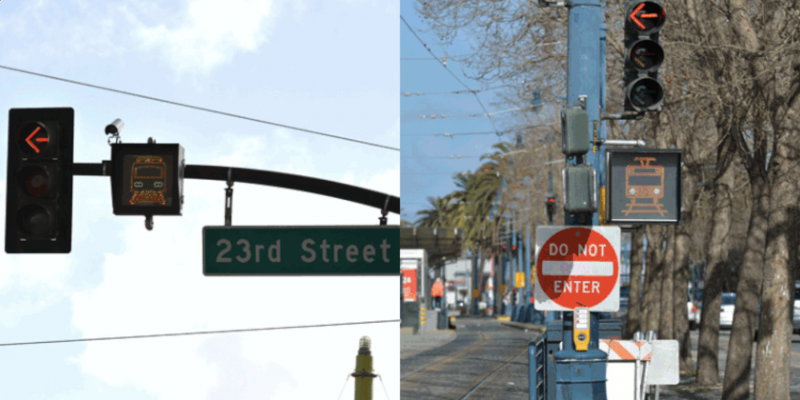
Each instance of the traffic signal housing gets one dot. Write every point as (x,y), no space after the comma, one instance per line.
(643,55)
(39,180)
(550,204)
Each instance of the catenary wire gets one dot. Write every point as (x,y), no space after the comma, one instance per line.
(200,333)
(202,108)
(450,72)
(408,94)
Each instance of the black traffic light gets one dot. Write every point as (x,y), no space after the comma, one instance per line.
(643,55)
(39,180)
(550,203)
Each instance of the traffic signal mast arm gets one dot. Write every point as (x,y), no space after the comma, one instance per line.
(269,178)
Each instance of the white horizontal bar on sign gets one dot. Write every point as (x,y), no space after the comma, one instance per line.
(578,268)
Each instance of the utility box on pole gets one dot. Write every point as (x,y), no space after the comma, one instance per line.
(578,187)
(575,131)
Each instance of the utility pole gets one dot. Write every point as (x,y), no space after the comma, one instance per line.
(527,266)
(581,364)
(363,373)
(580,119)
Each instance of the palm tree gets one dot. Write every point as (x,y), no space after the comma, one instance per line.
(438,215)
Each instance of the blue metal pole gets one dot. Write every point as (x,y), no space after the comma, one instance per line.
(473,300)
(527,266)
(595,156)
(514,262)
(507,271)
(581,375)
(519,259)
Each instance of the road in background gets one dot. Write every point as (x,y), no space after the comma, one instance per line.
(481,360)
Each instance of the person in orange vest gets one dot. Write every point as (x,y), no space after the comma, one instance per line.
(436,293)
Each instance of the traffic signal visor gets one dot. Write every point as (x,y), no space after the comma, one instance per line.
(645,17)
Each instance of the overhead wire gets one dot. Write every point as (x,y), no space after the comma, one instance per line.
(202,109)
(199,333)
(343,386)
(456,157)
(443,116)
(449,71)
(384,387)
(408,94)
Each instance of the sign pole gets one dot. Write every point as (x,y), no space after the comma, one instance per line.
(584,74)
(514,301)
(527,267)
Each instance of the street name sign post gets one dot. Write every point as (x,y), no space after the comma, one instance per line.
(301,250)
(577,266)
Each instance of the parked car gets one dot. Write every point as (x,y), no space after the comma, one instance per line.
(796,317)
(726,313)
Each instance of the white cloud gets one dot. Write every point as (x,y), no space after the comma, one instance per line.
(209,34)
(174,369)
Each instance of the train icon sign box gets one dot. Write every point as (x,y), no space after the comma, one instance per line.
(577,266)
(644,186)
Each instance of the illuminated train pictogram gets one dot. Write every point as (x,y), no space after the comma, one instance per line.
(644,181)
(148,180)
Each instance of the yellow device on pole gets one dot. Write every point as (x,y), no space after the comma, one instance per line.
(519,280)
(580,328)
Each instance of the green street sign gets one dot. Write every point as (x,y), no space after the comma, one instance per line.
(301,250)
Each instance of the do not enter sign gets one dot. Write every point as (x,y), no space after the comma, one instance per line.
(577,267)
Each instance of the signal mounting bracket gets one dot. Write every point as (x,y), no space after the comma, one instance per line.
(550,3)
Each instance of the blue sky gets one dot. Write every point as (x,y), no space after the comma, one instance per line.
(329,66)
(426,167)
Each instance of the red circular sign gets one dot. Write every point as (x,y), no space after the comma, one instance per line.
(582,268)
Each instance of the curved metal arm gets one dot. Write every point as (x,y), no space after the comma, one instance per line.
(278,179)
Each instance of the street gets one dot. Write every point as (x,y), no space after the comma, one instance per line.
(483,359)
(686,391)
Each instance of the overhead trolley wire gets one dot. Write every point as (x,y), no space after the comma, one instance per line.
(443,116)
(202,109)
(450,72)
(200,333)
(448,134)
(407,94)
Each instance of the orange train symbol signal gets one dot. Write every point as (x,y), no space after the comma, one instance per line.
(644,181)
(148,180)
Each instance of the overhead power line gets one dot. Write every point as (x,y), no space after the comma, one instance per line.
(448,70)
(442,116)
(456,157)
(450,135)
(469,91)
(200,333)
(202,109)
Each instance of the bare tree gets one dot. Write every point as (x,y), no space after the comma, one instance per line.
(632,322)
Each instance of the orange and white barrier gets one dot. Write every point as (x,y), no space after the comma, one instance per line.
(626,350)
(632,367)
